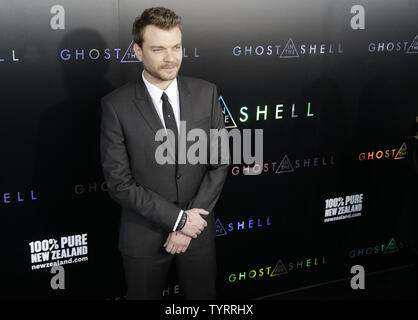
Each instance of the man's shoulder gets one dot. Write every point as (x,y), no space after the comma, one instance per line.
(127,91)
(194,82)
(119,94)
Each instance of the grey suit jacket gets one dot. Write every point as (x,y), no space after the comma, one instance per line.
(151,195)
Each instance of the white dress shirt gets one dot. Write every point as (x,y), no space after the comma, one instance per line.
(173,97)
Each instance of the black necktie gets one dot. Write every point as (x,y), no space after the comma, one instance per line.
(170,120)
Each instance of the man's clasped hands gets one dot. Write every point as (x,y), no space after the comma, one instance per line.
(178,241)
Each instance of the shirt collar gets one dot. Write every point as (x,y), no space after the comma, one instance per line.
(156,92)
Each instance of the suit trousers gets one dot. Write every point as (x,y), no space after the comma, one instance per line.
(196,269)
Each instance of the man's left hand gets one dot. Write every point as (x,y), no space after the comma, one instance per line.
(177,242)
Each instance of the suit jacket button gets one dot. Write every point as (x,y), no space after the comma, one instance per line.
(178,176)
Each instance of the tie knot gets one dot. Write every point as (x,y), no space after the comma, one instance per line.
(164,97)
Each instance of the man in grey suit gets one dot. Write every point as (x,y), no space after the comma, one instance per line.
(167,209)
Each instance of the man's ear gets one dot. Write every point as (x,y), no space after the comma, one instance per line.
(138,51)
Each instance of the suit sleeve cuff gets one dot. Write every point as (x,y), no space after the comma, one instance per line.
(178,220)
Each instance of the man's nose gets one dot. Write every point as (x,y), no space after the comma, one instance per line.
(169,55)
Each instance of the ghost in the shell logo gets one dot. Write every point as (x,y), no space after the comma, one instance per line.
(396,154)
(394,46)
(278,112)
(100,54)
(280,269)
(242,225)
(291,49)
(284,166)
(386,248)
(67,54)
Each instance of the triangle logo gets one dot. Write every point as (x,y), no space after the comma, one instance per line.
(229,120)
(279,269)
(129,55)
(391,247)
(401,152)
(285,166)
(289,50)
(220,230)
(413,48)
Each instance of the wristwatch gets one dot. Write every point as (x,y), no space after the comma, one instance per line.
(182,221)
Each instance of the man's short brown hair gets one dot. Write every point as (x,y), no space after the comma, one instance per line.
(158,16)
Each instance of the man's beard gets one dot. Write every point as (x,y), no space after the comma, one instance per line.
(160,75)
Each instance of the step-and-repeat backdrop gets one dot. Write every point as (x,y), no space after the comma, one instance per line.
(331,83)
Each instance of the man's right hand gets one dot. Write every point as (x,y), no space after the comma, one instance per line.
(194,223)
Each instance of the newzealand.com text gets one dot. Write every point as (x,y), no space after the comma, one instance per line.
(58,263)
(347,216)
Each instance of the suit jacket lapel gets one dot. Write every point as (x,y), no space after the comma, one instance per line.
(187,109)
(145,106)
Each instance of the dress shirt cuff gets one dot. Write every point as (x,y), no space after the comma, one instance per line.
(178,220)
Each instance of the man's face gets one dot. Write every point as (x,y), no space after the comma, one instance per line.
(161,53)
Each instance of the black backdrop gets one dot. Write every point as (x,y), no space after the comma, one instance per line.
(347,105)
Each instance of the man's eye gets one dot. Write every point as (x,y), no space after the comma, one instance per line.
(157,50)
